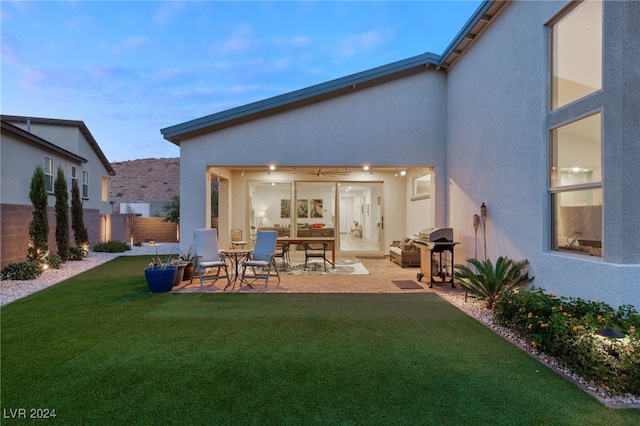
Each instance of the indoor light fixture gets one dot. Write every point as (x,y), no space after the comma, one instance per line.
(403,172)
(366,168)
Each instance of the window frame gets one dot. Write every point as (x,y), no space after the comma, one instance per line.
(73,175)
(555,191)
(48,174)
(85,185)
(557,19)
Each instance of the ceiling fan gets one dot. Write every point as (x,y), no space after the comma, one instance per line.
(335,172)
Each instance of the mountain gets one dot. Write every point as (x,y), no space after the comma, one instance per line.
(145,181)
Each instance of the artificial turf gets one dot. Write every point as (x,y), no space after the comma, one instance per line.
(100,349)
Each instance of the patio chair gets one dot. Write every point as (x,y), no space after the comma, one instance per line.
(208,255)
(263,258)
(236,238)
(316,249)
(282,251)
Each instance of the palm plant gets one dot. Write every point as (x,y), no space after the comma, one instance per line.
(487,282)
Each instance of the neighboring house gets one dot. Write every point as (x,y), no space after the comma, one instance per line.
(50,143)
(533,109)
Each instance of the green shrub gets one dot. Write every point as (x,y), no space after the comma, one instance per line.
(77,253)
(112,247)
(54,261)
(565,329)
(487,281)
(28,270)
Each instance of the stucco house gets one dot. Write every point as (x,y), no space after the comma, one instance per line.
(533,110)
(28,142)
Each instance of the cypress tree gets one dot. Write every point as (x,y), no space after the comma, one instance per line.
(62,214)
(77,218)
(39,226)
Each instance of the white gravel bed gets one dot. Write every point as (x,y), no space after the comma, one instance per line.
(476,309)
(11,290)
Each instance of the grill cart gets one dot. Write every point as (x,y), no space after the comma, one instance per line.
(436,252)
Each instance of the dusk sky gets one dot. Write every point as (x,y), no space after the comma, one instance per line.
(128,69)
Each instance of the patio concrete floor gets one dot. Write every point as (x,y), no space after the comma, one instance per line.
(382,273)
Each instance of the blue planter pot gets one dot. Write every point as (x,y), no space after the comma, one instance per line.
(160,280)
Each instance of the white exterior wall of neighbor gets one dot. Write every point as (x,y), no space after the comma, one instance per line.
(397,123)
(65,136)
(69,138)
(498,151)
(17,175)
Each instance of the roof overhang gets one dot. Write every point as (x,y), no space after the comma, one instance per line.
(27,137)
(59,122)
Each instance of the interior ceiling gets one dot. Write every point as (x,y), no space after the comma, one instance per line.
(314,170)
(329,174)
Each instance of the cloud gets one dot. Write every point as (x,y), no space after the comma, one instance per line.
(168,12)
(361,42)
(135,42)
(235,44)
(240,89)
(132,43)
(9,53)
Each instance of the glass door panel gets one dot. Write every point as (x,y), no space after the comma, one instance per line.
(360,212)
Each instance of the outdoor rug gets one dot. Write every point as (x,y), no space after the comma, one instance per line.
(407,284)
(343,267)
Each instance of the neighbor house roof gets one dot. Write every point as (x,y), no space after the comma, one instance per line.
(44,144)
(75,123)
(485,14)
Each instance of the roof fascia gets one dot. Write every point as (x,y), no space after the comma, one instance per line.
(482,10)
(23,134)
(173,133)
(76,123)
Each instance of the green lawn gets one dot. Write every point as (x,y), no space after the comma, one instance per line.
(99,349)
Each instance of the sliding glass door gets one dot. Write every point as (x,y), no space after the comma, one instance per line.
(361,219)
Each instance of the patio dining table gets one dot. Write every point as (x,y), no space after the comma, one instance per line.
(300,240)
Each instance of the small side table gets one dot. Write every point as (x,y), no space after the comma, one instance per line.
(236,257)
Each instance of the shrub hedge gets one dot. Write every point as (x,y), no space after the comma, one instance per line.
(565,329)
(28,270)
(113,246)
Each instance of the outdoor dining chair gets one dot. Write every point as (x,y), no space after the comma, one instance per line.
(317,249)
(263,258)
(208,255)
(282,251)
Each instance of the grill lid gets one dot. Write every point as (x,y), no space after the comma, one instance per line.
(436,235)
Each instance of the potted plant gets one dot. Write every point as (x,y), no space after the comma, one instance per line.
(160,274)
(190,258)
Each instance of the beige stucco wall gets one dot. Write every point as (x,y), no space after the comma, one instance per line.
(399,123)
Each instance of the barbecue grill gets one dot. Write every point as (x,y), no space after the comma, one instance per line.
(433,243)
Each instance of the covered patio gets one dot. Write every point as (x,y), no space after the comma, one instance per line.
(382,273)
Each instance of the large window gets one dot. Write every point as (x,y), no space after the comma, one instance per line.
(577,53)
(575,160)
(576,185)
(48,174)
